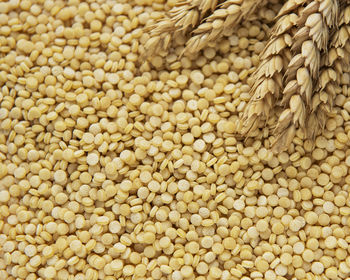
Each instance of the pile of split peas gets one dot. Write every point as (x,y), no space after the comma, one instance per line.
(113,167)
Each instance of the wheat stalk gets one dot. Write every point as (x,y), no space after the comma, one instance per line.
(336,63)
(182,18)
(229,14)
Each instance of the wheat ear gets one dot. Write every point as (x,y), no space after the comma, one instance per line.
(268,77)
(336,63)
(229,14)
(314,23)
(182,18)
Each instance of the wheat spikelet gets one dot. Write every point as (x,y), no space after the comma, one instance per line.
(160,37)
(291,6)
(269,75)
(314,22)
(182,18)
(336,63)
(287,123)
(229,14)
(188,14)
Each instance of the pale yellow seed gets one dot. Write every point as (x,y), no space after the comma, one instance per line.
(197,77)
(50,272)
(60,176)
(92,159)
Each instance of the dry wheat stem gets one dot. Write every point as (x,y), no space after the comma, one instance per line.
(228,15)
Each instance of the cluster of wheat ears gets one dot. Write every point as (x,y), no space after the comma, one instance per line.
(300,68)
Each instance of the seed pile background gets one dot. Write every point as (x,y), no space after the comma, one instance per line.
(113,167)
